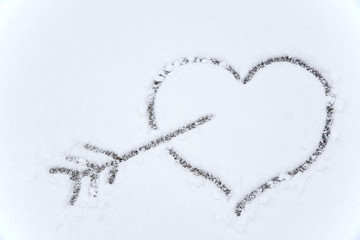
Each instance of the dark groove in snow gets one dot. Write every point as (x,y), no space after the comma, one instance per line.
(198,172)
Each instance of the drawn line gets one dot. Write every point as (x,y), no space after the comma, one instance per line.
(198,172)
(174,66)
(324,137)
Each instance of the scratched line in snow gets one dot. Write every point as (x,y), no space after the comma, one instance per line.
(198,172)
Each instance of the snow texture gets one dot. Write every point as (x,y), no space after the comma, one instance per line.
(77,78)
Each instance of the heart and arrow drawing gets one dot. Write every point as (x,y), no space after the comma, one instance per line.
(93,170)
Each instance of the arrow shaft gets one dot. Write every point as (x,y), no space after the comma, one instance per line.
(150,145)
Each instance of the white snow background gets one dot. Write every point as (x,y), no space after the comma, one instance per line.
(73,72)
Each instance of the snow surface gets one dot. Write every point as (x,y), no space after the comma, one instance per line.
(73,72)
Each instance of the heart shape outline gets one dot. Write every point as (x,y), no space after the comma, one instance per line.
(240,206)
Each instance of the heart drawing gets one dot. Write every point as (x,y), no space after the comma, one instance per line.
(93,170)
